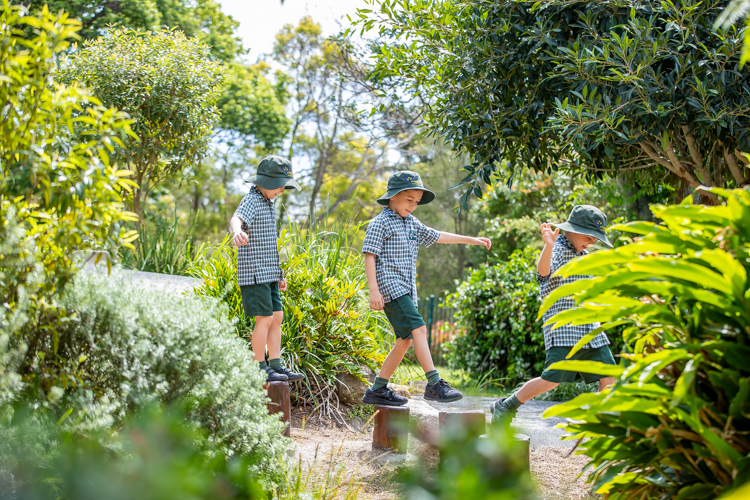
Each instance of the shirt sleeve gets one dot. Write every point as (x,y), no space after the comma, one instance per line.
(427,236)
(246,210)
(374,237)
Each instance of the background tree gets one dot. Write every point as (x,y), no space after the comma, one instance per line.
(599,87)
(167,84)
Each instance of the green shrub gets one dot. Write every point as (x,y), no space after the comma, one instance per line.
(135,347)
(497,306)
(155,456)
(471,468)
(328,327)
(675,424)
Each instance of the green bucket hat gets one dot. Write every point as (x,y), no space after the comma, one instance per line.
(588,220)
(404,180)
(274,172)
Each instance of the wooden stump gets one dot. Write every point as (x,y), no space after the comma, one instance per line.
(471,423)
(278,393)
(522,440)
(391,428)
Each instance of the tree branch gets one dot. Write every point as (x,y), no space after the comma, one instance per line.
(695,154)
(737,173)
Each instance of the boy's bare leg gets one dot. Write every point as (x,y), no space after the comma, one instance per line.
(605,382)
(260,336)
(274,336)
(422,349)
(533,388)
(398,351)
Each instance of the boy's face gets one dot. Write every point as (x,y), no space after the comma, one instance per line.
(271,193)
(405,202)
(580,241)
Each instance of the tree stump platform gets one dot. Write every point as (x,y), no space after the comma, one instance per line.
(471,423)
(278,393)
(524,441)
(391,428)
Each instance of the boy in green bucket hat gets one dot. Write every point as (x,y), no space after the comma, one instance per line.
(583,228)
(390,247)
(259,273)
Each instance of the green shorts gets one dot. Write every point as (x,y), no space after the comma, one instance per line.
(602,354)
(261,300)
(403,316)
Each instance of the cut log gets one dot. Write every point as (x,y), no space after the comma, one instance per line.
(278,393)
(391,428)
(523,441)
(468,423)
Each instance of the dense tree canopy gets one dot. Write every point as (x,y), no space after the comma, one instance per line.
(165,82)
(601,86)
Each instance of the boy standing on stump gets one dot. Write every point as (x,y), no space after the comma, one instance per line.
(390,247)
(585,225)
(259,273)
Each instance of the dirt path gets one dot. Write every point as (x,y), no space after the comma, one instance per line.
(339,456)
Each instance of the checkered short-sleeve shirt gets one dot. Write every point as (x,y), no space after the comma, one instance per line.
(568,335)
(258,260)
(395,240)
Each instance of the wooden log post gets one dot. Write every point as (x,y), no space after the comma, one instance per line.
(468,423)
(523,441)
(391,428)
(278,393)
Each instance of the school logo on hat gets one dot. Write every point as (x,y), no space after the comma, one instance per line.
(412,179)
(599,222)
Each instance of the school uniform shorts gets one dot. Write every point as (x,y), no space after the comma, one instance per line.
(403,316)
(555,354)
(261,299)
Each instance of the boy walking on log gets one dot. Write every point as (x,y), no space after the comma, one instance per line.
(585,225)
(259,273)
(390,247)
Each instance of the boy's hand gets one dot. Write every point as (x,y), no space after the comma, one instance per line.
(282,286)
(484,242)
(240,238)
(376,300)
(548,235)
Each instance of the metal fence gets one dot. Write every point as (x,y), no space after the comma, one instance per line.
(441,325)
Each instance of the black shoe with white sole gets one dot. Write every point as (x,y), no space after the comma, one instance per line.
(383,396)
(442,392)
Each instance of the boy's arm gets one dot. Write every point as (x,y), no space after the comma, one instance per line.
(544,265)
(239,238)
(466,240)
(376,298)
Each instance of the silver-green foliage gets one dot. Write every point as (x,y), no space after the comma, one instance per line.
(137,347)
(674,426)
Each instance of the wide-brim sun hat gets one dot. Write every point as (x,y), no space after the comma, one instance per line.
(587,220)
(404,180)
(274,172)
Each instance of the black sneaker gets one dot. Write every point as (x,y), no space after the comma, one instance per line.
(272,376)
(442,392)
(290,375)
(383,396)
(500,411)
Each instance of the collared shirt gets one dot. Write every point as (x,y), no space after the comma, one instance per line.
(394,240)
(568,335)
(258,260)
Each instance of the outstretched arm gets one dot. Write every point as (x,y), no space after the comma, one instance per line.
(465,240)
(549,237)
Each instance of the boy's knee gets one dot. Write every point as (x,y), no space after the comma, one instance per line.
(606,382)
(404,343)
(278,316)
(420,332)
(264,320)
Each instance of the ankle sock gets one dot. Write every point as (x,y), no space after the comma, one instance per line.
(263,364)
(274,363)
(432,377)
(513,402)
(379,382)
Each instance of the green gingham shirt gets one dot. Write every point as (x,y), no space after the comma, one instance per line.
(568,335)
(394,240)
(258,260)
